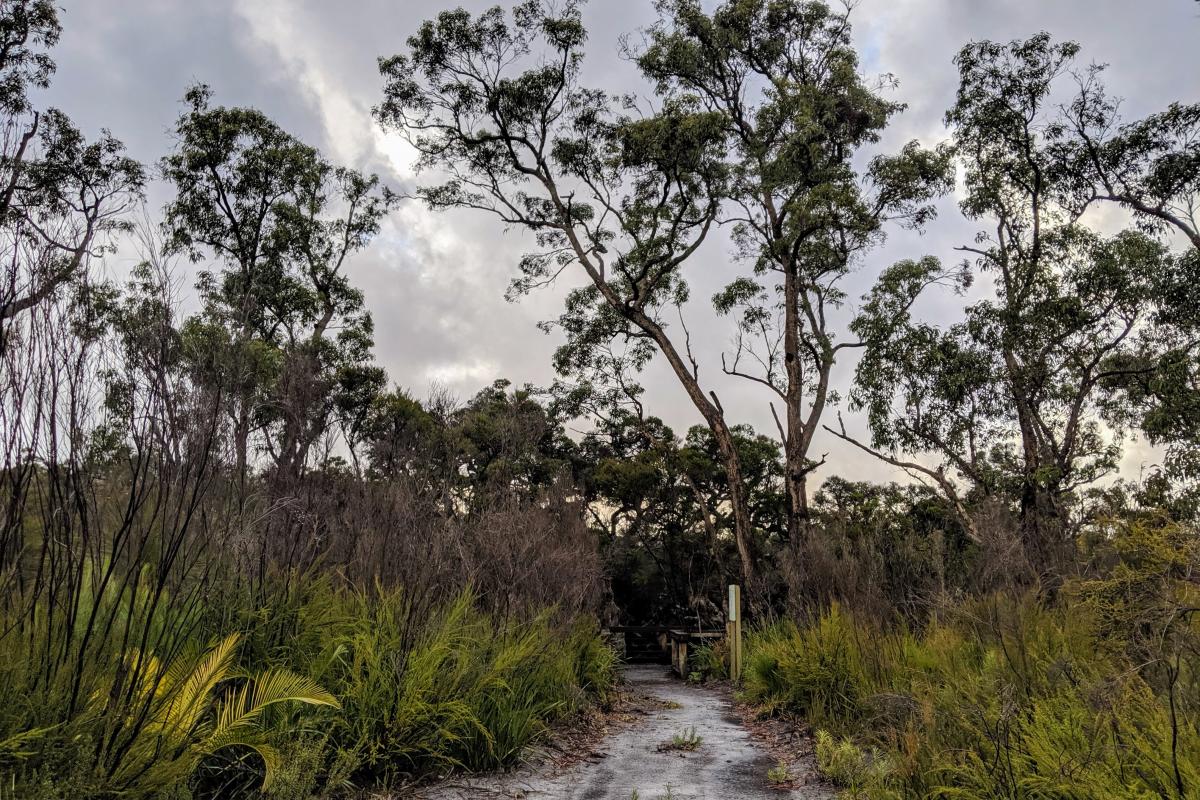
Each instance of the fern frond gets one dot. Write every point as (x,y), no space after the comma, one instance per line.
(190,700)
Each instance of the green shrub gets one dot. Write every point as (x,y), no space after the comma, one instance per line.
(861,774)
(1095,696)
(464,691)
(816,670)
(311,767)
(596,663)
(711,661)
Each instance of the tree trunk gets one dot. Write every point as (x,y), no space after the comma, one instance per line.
(742,528)
(714,415)
(1044,533)
(710,409)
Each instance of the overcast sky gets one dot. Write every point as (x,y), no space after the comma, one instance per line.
(435,283)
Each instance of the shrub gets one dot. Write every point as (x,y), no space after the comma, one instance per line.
(711,661)
(862,774)
(467,691)
(815,670)
(1095,696)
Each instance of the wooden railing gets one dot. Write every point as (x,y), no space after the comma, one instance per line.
(672,644)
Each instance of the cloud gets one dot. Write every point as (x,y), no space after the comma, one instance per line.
(435,282)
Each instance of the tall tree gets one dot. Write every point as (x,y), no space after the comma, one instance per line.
(784,80)
(1012,397)
(625,200)
(60,196)
(283,330)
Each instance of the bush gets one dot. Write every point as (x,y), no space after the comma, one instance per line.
(711,661)
(814,670)
(459,688)
(1094,697)
(862,774)
(468,690)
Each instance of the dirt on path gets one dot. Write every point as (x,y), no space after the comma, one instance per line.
(639,762)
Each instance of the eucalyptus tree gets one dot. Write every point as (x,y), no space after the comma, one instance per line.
(1012,397)
(1151,168)
(60,196)
(283,333)
(760,112)
(507,442)
(785,81)
(657,502)
(399,436)
(496,104)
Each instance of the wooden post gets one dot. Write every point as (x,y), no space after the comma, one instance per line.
(733,632)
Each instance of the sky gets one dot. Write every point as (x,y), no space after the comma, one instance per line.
(435,282)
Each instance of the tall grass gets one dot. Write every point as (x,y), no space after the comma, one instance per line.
(466,690)
(419,694)
(1097,696)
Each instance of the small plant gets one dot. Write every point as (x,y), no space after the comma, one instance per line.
(863,774)
(670,795)
(712,661)
(687,739)
(779,774)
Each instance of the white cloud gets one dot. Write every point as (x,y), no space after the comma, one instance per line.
(435,282)
(298,42)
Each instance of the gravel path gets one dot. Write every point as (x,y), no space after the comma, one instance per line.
(727,764)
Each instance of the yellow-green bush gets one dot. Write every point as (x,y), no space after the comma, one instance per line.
(406,692)
(1095,696)
(815,670)
(459,689)
(861,773)
(711,660)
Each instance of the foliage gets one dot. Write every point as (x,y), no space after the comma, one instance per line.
(815,670)
(1002,697)
(194,713)
(1013,399)
(308,770)
(861,775)
(63,198)
(887,550)
(657,503)
(406,699)
(466,691)
(711,661)
(686,740)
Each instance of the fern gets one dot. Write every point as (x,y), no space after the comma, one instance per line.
(197,710)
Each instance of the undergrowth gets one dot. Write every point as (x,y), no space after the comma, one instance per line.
(1095,695)
(326,689)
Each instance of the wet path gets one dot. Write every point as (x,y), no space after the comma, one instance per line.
(637,762)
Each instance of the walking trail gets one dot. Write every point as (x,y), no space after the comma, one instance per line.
(636,763)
